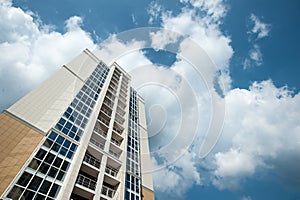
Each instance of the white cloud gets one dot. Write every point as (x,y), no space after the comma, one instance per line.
(31,51)
(162,38)
(113,49)
(255,58)
(214,10)
(154,10)
(261,131)
(260,29)
(207,35)
(246,198)
(174,180)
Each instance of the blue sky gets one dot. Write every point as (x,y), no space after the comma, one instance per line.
(254,46)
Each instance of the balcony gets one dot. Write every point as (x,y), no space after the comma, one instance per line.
(119,120)
(108,102)
(120,111)
(86,182)
(117,131)
(124,88)
(106,112)
(92,160)
(114,154)
(123,100)
(116,142)
(104,121)
(111,171)
(123,94)
(96,144)
(99,131)
(108,191)
(112,89)
(121,104)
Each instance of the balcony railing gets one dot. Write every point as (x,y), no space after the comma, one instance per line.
(116,142)
(114,154)
(104,121)
(111,171)
(99,131)
(106,112)
(97,144)
(120,111)
(108,191)
(117,131)
(120,121)
(108,103)
(86,182)
(123,100)
(92,160)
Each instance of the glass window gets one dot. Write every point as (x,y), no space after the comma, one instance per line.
(63,151)
(70,154)
(15,192)
(54,190)
(67,143)
(73,147)
(60,175)
(24,179)
(49,158)
(60,140)
(55,147)
(35,183)
(40,154)
(52,172)
(45,187)
(28,194)
(34,164)
(57,162)
(127,195)
(52,135)
(44,168)
(40,197)
(48,143)
(65,166)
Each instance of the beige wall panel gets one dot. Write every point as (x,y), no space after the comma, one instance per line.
(147,194)
(44,105)
(17,142)
(84,64)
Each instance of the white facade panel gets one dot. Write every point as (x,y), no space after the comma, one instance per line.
(83,65)
(43,106)
(144,145)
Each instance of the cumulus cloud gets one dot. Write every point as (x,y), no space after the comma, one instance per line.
(262,125)
(174,180)
(207,35)
(214,9)
(31,51)
(260,29)
(254,59)
(154,10)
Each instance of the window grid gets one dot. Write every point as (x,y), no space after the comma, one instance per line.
(75,119)
(132,191)
(41,178)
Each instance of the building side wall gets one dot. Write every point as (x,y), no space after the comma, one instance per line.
(144,144)
(17,142)
(83,65)
(43,106)
(147,194)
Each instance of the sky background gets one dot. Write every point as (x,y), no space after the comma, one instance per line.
(254,46)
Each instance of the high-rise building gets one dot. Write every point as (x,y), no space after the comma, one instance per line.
(81,134)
